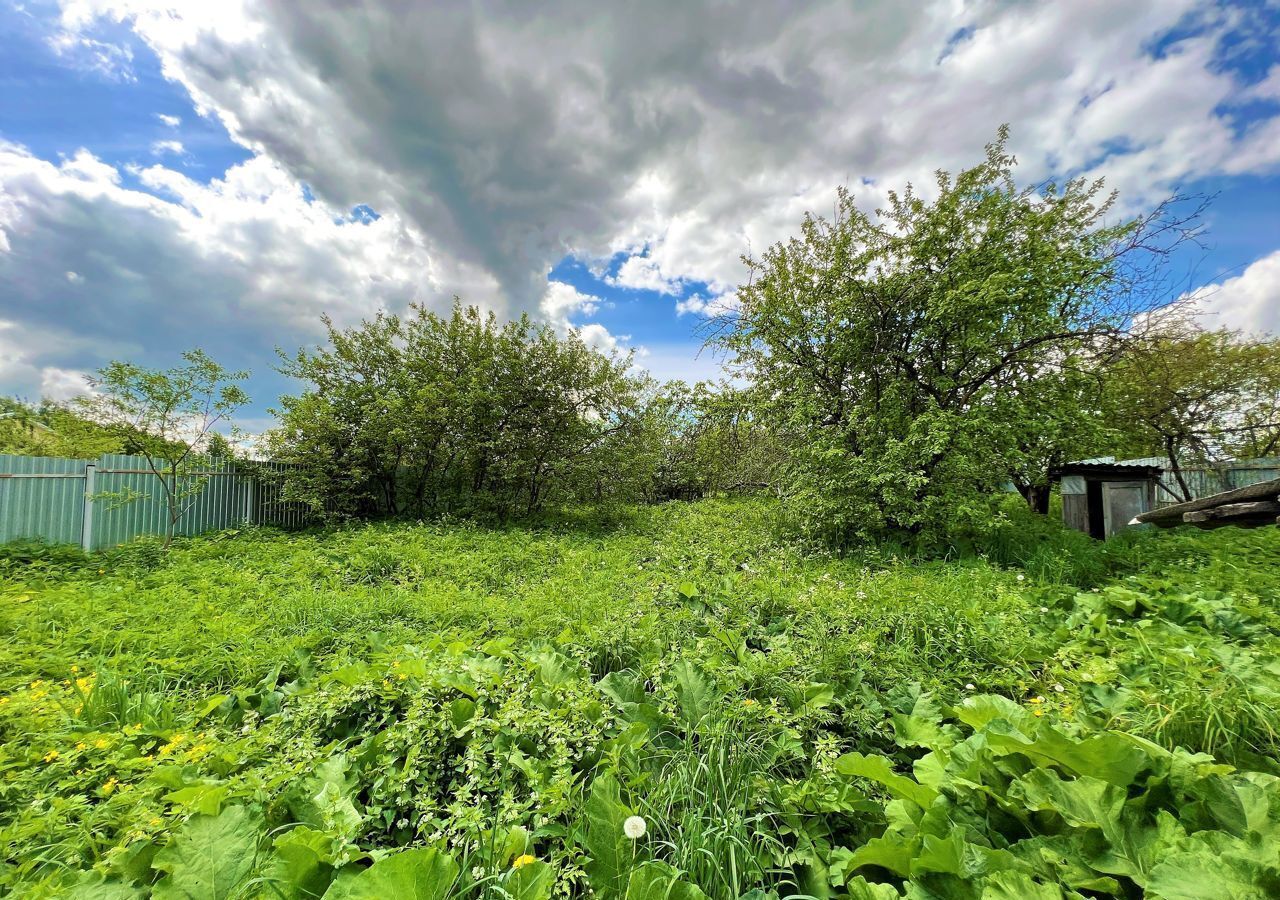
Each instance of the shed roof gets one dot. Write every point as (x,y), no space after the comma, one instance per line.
(1107,468)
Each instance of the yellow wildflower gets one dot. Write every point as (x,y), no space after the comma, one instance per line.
(80,745)
(402,676)
(101,742)
(3,700)
(522,861)
(35,684)
(748,702)
(51,756)
(75,669)
(1037,713)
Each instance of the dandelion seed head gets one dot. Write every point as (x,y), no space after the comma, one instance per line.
(634,827)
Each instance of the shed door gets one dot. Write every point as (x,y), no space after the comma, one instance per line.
(1121,501)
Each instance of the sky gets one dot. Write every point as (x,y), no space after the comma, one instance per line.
(182,174)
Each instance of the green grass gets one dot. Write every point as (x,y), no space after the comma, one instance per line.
(469,681)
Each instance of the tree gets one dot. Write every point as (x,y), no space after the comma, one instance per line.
(457,413)
(915,358)
(1195,396)
(168,415)
(53,429)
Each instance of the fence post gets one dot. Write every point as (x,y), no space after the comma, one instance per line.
(86,533)
(250,490)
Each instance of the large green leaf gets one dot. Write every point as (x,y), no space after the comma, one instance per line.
(609,850)
(1106,756)
(977,711)
(1197,874)
(95,887)
(301,866)
(1018,886)
(658,881)
(879,769)
(695,691)
(419,874)
(209,857)
(1083,802)
(860,889)
(532,881)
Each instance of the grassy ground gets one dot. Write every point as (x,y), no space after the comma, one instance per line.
(465,685)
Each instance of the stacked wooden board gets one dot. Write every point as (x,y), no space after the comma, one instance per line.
(1256,504)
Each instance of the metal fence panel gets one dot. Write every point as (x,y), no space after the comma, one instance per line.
(219,503)
(42,497)
(46,498)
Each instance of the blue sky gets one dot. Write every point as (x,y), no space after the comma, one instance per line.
(181,174)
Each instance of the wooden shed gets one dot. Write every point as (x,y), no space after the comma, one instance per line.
(1102,497)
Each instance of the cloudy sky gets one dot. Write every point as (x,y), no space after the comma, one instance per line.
(178,174)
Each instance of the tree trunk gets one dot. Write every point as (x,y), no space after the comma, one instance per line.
(1037,497)
(1171,449)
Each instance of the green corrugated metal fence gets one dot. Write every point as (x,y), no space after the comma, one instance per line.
(42,496)
(78,501)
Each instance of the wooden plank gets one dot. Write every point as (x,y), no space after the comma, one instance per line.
(1172,515)
(1257,508)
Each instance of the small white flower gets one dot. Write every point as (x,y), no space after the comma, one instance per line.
(969,686)
(1058,689)
(1022,577)
(634,827)
(1044,609)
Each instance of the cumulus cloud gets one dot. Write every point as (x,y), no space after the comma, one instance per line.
(682,136)
(1249,301)
(237,266)
(494,141)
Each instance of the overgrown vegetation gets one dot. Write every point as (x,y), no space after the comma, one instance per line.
(427,415)
(448,710)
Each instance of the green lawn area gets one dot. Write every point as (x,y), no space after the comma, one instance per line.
(259,713)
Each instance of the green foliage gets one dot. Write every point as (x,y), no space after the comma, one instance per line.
(170,415)
(431,414)
(706,441)
(52,429)
(396,710)
(918,359)
(1195,396)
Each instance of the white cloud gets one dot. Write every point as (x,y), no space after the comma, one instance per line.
(684,136)
(562,301)
(699,305)
(63,384)
(1249,301)
(160,148)
(595,335)
(112,61)
(493,143)
(644,274)
(237,266)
